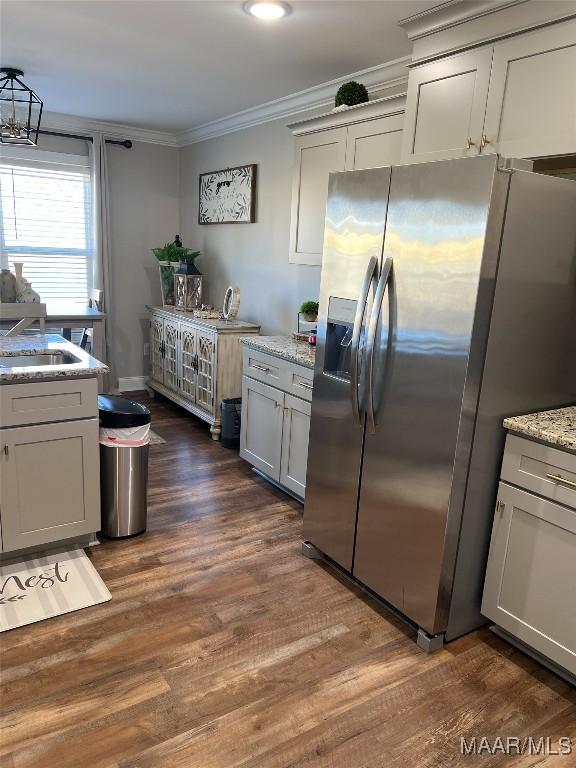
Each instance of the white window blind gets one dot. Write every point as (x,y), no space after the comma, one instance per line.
(46,222)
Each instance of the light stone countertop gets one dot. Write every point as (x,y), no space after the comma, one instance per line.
(284,347)
(11,346)
(556,427)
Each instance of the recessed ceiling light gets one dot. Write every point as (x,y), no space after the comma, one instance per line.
(269,10)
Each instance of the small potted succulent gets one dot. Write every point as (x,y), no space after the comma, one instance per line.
(309,311)
(173,257)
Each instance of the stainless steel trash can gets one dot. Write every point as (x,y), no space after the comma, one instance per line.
(123,466)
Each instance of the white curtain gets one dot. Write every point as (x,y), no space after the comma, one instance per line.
(100,201)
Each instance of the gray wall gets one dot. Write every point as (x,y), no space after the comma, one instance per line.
(143,214)
(253,257)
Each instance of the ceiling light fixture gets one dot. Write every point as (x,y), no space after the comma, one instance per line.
(20,110)
(269,10)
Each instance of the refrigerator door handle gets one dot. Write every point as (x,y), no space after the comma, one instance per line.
(371,271)
(383,283)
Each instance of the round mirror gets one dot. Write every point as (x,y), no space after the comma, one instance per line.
(231,303)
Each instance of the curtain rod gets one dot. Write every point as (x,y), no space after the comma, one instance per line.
(126,143)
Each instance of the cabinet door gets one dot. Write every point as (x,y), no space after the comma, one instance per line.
(374,143)
(531,572)
(205,369)
(171,354)
(445,107)
(156,349)
(317,155)
(531,107)
(188,377)
(295,430)
(261,428)
(50,487)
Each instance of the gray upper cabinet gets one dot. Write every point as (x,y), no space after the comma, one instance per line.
(317,155)
(374,143)
(516,97)
(531,109)
(365,136)
(445,107)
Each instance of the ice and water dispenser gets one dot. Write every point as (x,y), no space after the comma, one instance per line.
(339,327)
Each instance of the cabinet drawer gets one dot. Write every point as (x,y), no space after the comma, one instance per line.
(283,374)
(263,367)
(299,381)
(48,401)
(529,587)
(541,469)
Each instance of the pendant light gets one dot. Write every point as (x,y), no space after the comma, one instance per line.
(20,110)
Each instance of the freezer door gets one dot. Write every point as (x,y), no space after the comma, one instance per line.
(353,239)
(434,242)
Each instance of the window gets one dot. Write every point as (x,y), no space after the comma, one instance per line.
(46,222)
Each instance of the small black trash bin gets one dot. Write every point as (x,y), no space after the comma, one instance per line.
(124,427)
(231,409)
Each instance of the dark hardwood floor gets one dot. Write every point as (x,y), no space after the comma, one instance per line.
(222,647)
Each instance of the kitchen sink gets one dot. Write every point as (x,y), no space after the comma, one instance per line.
(44,358)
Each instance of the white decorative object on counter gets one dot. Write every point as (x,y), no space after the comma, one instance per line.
(231,303)
(25,294)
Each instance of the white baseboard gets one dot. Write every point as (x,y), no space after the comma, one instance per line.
(132,383)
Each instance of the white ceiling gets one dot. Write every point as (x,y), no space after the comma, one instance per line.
(176,64)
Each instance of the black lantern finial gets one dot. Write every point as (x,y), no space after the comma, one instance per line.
(20,110)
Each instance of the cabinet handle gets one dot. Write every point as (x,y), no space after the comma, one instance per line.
(6,450)
(485,140)
(470,143)
(304,385)
(260,368)
(561,480)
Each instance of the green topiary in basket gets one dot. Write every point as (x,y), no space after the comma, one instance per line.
(351,93)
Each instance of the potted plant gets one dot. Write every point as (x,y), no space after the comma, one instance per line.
(350,94)
(170,257)
(309,311)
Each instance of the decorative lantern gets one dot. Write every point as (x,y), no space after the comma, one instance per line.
(20,110)
(187,288)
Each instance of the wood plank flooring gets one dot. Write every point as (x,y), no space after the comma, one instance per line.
(224,647)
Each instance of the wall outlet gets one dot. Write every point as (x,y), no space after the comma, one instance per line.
(146,349)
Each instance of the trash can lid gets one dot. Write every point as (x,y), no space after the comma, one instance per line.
(116,411)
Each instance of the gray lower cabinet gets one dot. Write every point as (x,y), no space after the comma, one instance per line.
(49,482)
(276,422)
(261,431)
(531,572)
(295,432)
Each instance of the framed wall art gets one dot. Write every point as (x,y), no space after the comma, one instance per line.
(228,196)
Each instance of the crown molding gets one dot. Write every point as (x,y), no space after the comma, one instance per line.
(391,74)
(82,125)
(451,14)
(359,113)
(460,25)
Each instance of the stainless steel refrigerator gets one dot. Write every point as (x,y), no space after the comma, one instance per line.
(447,302)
